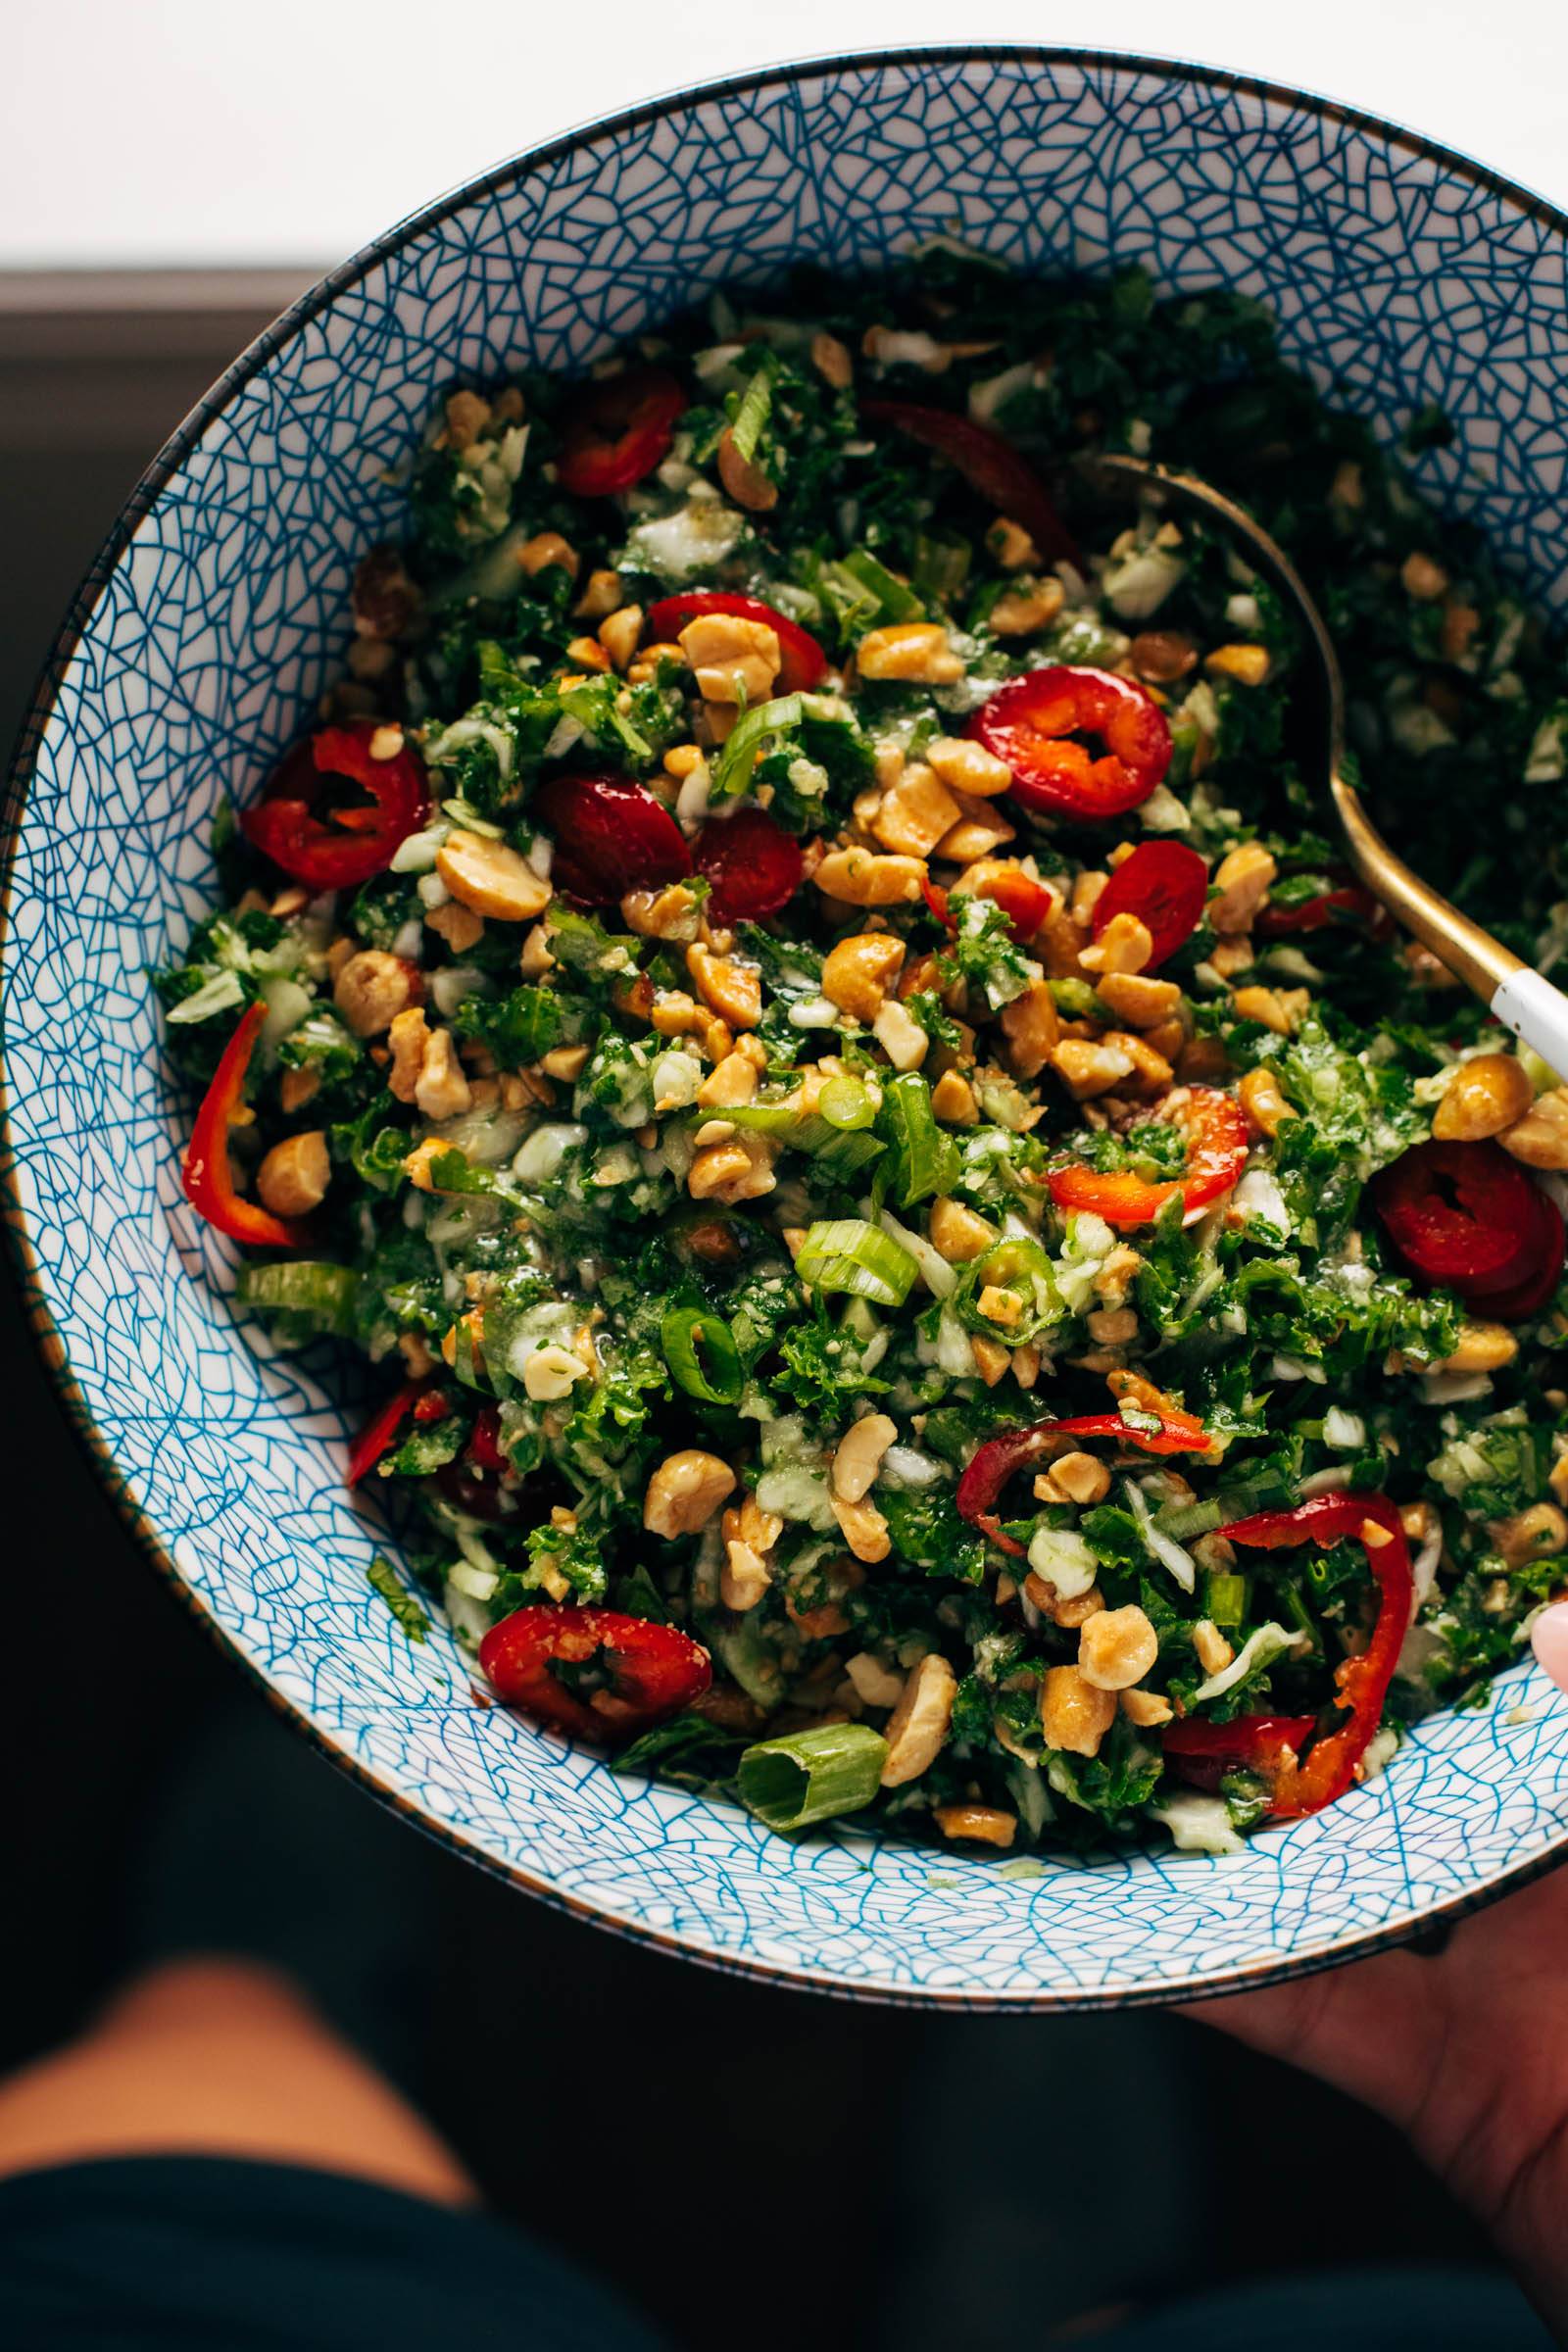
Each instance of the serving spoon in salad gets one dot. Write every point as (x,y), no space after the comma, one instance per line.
(1522,998)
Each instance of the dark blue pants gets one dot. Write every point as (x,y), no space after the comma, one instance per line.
(198,2254)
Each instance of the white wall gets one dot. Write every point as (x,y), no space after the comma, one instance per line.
(147,132)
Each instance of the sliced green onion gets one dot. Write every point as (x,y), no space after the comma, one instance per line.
(896,599)
(842,1150)
(846,1253)
(1226,1598)
(846,1104)
(1078,1000)
(812,1776)
(1184,1520)
(733,768)
(941,566)
(699,1349)
(753,413)
(325,1295)
(925,1160)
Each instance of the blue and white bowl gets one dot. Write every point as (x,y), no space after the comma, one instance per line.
(197,648)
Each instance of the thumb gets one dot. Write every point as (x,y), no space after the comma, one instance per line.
(1549,1640)
(1366,2028)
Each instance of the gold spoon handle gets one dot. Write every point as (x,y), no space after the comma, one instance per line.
(1472,954)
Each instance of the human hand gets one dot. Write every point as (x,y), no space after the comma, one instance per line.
(1466,2051)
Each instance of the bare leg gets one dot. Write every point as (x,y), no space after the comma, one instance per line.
(222,2057)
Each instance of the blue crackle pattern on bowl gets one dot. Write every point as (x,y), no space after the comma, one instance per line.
(1404,274)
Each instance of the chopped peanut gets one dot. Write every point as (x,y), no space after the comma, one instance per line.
(1242,880)
(441,1091)
(1247,665)
(1089,1069)
(1482,1347)
(991,1359)
(903,1039)
(371,989)
(600,597)
(743,482)
(1000,1307)
(956,1231)
(548,550)
(733,1081)
(984,1825)
(953,1100)
(491,878)
(913,649)
(859,1456)
(1541,1138)
(1276,1008)
(919,1723)
(1116,1648)
(456,924)
(860,878)
(733,990)
(1074,1714)
(684,1493)
(981,828)
(1032,1028)
(735,660)
(1484,1095)
(735,1171)
(1124,946)
(1011,545)
(1026,609)
(967,766)
(1145,1708)
(408,1038)
(1209,1646)
(293,1178)
(1262,1100)
(857,973)
(1535,1533)
(863,1528)
(916,814)
(1068,1614)
(620,633)
(1141,1004)
(832,362)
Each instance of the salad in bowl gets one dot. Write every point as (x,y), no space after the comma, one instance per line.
(933,1255)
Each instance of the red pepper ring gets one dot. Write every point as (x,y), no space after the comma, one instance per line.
(1530,1294)
(1463,1215)
(650,1670)
(990,465)
(346,846)
(1033,721)
(611,836)
(377,1436)
(1215,1128)
(206,1175)
(1024,902)
(1264,1744)
(1166,887)
(1002,1458)
(802,661)
(1317,914)
(624,426)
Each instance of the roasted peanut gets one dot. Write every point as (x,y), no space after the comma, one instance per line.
(1541,1138)
(371,989)
(860,878)
(735,660)
(293,1178)
(919,1722)
(1032,1028)
(491,878)
(1242,880)
(983,1825)
(913,649)
(1074,1714)
(967,766)
(956,1231)
(1262,1100)
(1116,1648)
(1484,1095)
(1124,946)
(684,1492)
(916,814)
(857,973)
(1141,1003)
(859,1455)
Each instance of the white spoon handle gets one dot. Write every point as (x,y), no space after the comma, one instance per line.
(1527,1003)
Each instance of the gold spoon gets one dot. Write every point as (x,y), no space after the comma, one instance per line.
(1521,998)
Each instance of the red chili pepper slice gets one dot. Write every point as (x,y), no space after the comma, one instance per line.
(348,845)
(752,866)
(650,1670)
(206,1175)
(377,1436)
(623,427)
(484,1440)
(1000,1458)
(1215,1128)
(1317,914)
(804,660)
(1033,723)
(611,836)
(1024,902)
(1165,886)
(1263,1742)
(990,465)
(1462,1215)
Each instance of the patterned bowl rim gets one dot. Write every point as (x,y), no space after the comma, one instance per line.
(1433,1923)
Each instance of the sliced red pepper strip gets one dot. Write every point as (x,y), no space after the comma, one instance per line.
(752,866)
(1002,1458)
(377,1436)
(1024,902)
(803,658)
(1000,474)
(611,836)
(1215,1128)
(622,429)
(1463,1215)
(484,1440)
(650,1670)
(1264,1744)
(1033,722)
(208,1177)
(1317,914)
(1165,886)
(1363,1681)
(347,846)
